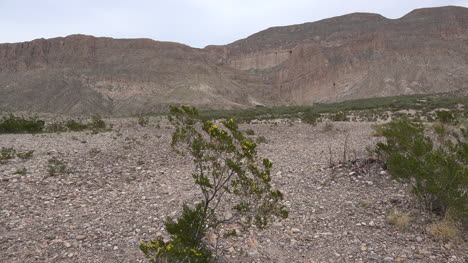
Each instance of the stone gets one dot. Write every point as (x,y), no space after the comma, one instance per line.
(295,230)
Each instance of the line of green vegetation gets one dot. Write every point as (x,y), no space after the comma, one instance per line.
(424,103)
(19,124)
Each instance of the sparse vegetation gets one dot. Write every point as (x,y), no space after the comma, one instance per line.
(366,109)
(74,125)
(25,155)
(327,127)
(56,166)
(446,230)
(17,124)
(94,151)
(398,219)
(229,175)
(143,120)
(23,171)
(7,154)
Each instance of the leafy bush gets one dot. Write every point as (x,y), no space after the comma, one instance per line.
(15,124)
(229,175)
(436,168)
(186,245)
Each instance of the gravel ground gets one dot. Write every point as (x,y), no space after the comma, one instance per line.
(125,182)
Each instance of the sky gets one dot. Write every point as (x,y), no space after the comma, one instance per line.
(193,22)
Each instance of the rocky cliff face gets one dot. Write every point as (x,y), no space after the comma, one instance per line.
(360,55)
(348,57)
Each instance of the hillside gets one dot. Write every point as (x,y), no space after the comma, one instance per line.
(354,56)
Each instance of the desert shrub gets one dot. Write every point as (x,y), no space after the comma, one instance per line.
(56,127)
(7,154)
(15,124)
(25,155)
(229,175)
(311,119)
(436,168)
(328,127)
(23,171)
(397,218)
(56,166)
(339,116)
(446,117)
(97,123)
(446,230)
(186,244)
(74,125)
(143,120)
(250,132)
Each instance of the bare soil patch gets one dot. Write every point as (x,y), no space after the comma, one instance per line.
(124,183)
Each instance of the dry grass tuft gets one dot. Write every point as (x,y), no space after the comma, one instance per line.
(398,219)
(366,203)
(445,230)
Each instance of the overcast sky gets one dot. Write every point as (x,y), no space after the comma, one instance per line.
(193,22)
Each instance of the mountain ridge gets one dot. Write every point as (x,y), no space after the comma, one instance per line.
(353,56)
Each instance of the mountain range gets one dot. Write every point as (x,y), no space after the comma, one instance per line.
(360,55)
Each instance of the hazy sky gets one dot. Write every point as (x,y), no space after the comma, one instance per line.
(193,22)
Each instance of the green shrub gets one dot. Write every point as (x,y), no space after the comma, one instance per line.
(186,244)
(56,166)
(7,154)
(436,168)
(73,125)
(226,166)
(23,171)
(14,124)
(339,116)
(25,155)
(311,119)
(446,117)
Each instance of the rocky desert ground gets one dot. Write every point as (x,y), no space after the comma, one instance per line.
(123,183)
